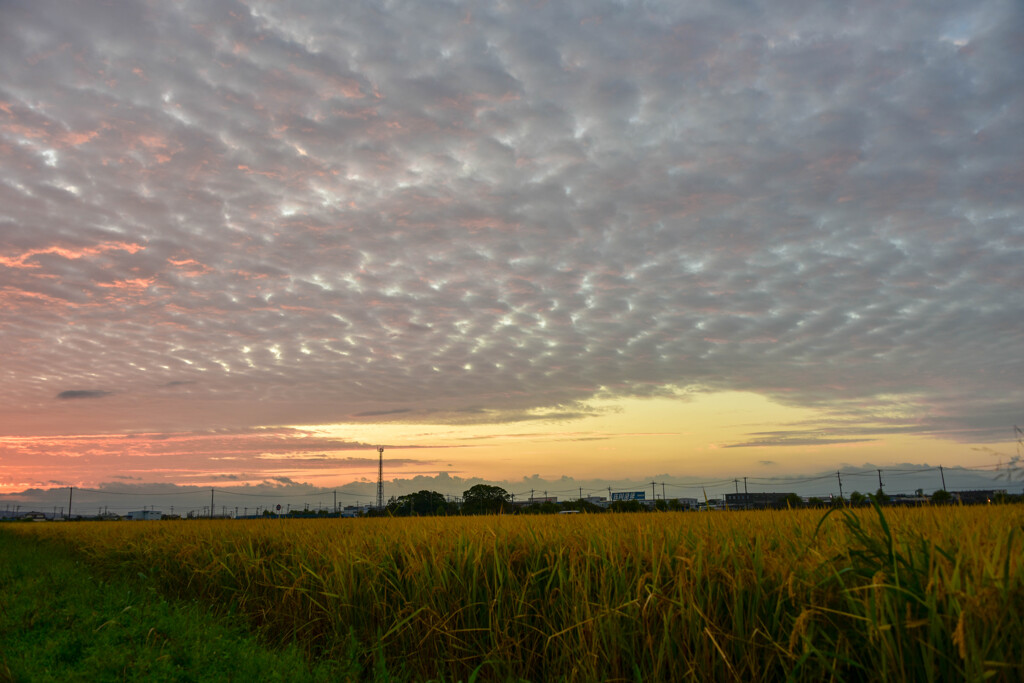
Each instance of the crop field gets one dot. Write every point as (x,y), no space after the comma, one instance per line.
(934,593)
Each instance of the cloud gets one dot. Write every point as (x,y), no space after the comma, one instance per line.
(382,413)
(794,441)
(312,215)
(82,393)
(340,463)
(793,438)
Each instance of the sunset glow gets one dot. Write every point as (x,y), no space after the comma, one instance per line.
(244,242)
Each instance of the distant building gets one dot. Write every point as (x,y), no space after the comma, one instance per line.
(756,500)
(139,515)
(977,497)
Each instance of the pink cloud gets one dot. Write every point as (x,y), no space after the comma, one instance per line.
(72,253)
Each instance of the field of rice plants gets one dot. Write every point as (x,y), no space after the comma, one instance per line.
(934,593)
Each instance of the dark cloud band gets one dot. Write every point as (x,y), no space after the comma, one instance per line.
(82,393)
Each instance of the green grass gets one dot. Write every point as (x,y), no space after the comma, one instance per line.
(61,620)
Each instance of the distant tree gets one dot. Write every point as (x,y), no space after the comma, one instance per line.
(815,502)
(545,508)
(792,501)
(421,503)
(549,508)
(880,497)
(857,499)
(581,506)
(942,497)
(661,505)
(484,499)
(627,506)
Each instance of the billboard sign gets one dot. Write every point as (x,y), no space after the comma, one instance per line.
(629,495)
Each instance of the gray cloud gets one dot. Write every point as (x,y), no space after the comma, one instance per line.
(792,441)
(307,214)
(82,393)
(382,413)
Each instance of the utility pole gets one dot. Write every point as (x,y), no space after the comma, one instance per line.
(840,478)
(943,475)
(71,489)
(879,480)
(380,478)
(581,493)
(746,496)
(335,501)
(211,503)
(654,496)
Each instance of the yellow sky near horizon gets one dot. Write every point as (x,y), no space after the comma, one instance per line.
(700,435)
(639,437)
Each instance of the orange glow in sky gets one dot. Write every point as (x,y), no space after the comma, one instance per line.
(703,435)
(559,239)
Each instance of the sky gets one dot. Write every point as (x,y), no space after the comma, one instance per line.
(247,243)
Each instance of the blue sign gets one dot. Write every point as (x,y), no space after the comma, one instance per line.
(629,495)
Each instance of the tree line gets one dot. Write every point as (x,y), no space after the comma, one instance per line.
(484,499)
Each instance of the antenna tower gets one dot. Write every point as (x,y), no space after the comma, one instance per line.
(380,478)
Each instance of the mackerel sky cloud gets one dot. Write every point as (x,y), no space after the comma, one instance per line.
(221,221)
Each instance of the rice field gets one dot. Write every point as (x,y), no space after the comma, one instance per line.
(934,593)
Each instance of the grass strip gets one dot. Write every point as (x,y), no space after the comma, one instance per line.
(61,619)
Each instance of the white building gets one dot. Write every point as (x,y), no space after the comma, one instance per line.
(144,514)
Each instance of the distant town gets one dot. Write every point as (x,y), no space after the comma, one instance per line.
(486,499)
